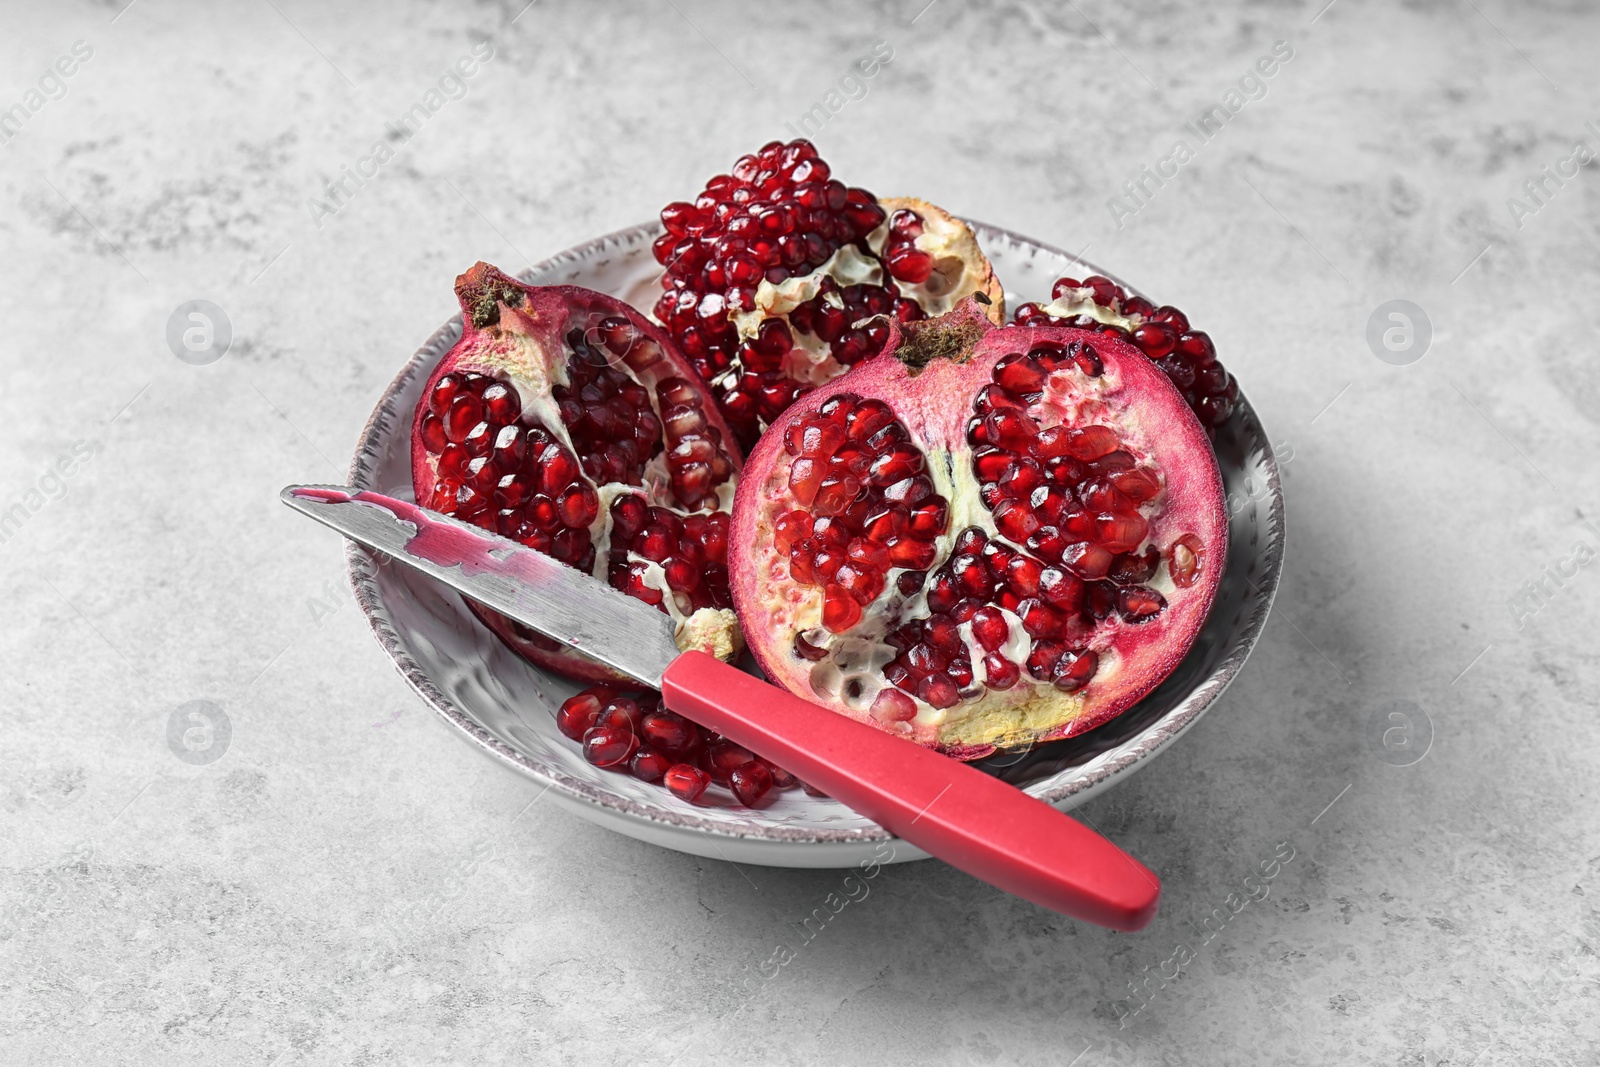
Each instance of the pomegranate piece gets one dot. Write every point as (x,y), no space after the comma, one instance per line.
(770,273)
(1187,357)
(566,421)
(1092,550)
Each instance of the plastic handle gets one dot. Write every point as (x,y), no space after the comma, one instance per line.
(970,820)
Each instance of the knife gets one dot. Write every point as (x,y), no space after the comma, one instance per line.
(969,819)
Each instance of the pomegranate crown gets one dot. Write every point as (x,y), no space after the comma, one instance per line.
(483,288)
(951,336)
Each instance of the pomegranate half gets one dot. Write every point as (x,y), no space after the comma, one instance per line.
(776,276)
(981,537)
(566,421)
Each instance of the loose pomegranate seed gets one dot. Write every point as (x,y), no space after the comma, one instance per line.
(670,733)
(620,713)
(648,765)
(722,757)
(606,746)
(750,781)
(686,782)
(579,711)
(781,779)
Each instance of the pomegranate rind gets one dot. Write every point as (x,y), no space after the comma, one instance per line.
(515,330)
(920,369)
(959,266)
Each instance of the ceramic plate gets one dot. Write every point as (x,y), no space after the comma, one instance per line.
(505,707)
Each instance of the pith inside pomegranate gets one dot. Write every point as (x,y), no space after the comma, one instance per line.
(1186,356)
(563,419)
(776,272)
(981,537)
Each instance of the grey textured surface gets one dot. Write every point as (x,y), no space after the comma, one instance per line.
(348,885)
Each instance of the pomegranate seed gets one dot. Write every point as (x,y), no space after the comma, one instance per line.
(620,713)
(432,433)
(891,705)
(1016,520)
(464,413)
(1121,531)
(608,746)
(1155,339)
(1104,289)
(1060,589)
(686,782)
(750,782)
(1091,442)
(1019,374)
(1088,560)
(781,779)
(908,264)
(999,672)
(1138,604)
(939,691)
(668,732)
(1186,559)
(1138,485)
(929,520)
(1042,659)
(502,403)
(1074,669)
(806,650)
(442,393)
(840,610)
(912,553)
(990,628)
(579,711)
(721,757)
(1132,569)
(648,765)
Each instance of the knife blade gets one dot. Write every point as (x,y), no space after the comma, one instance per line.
(972,821)
(542,593)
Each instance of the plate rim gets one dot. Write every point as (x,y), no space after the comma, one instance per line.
(362,568)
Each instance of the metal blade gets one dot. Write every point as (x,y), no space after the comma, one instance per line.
(540,592)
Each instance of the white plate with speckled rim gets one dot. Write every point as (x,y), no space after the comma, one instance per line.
(504,706)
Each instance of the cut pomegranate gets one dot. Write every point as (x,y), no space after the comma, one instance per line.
(563,419)
(1186,356)
(774,269)
(981,537)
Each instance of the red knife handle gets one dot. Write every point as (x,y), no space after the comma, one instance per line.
(972,821)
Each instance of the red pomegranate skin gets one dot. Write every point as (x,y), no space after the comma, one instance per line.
(518,333)
(930,375)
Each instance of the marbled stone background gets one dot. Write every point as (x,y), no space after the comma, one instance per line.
(247,911)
